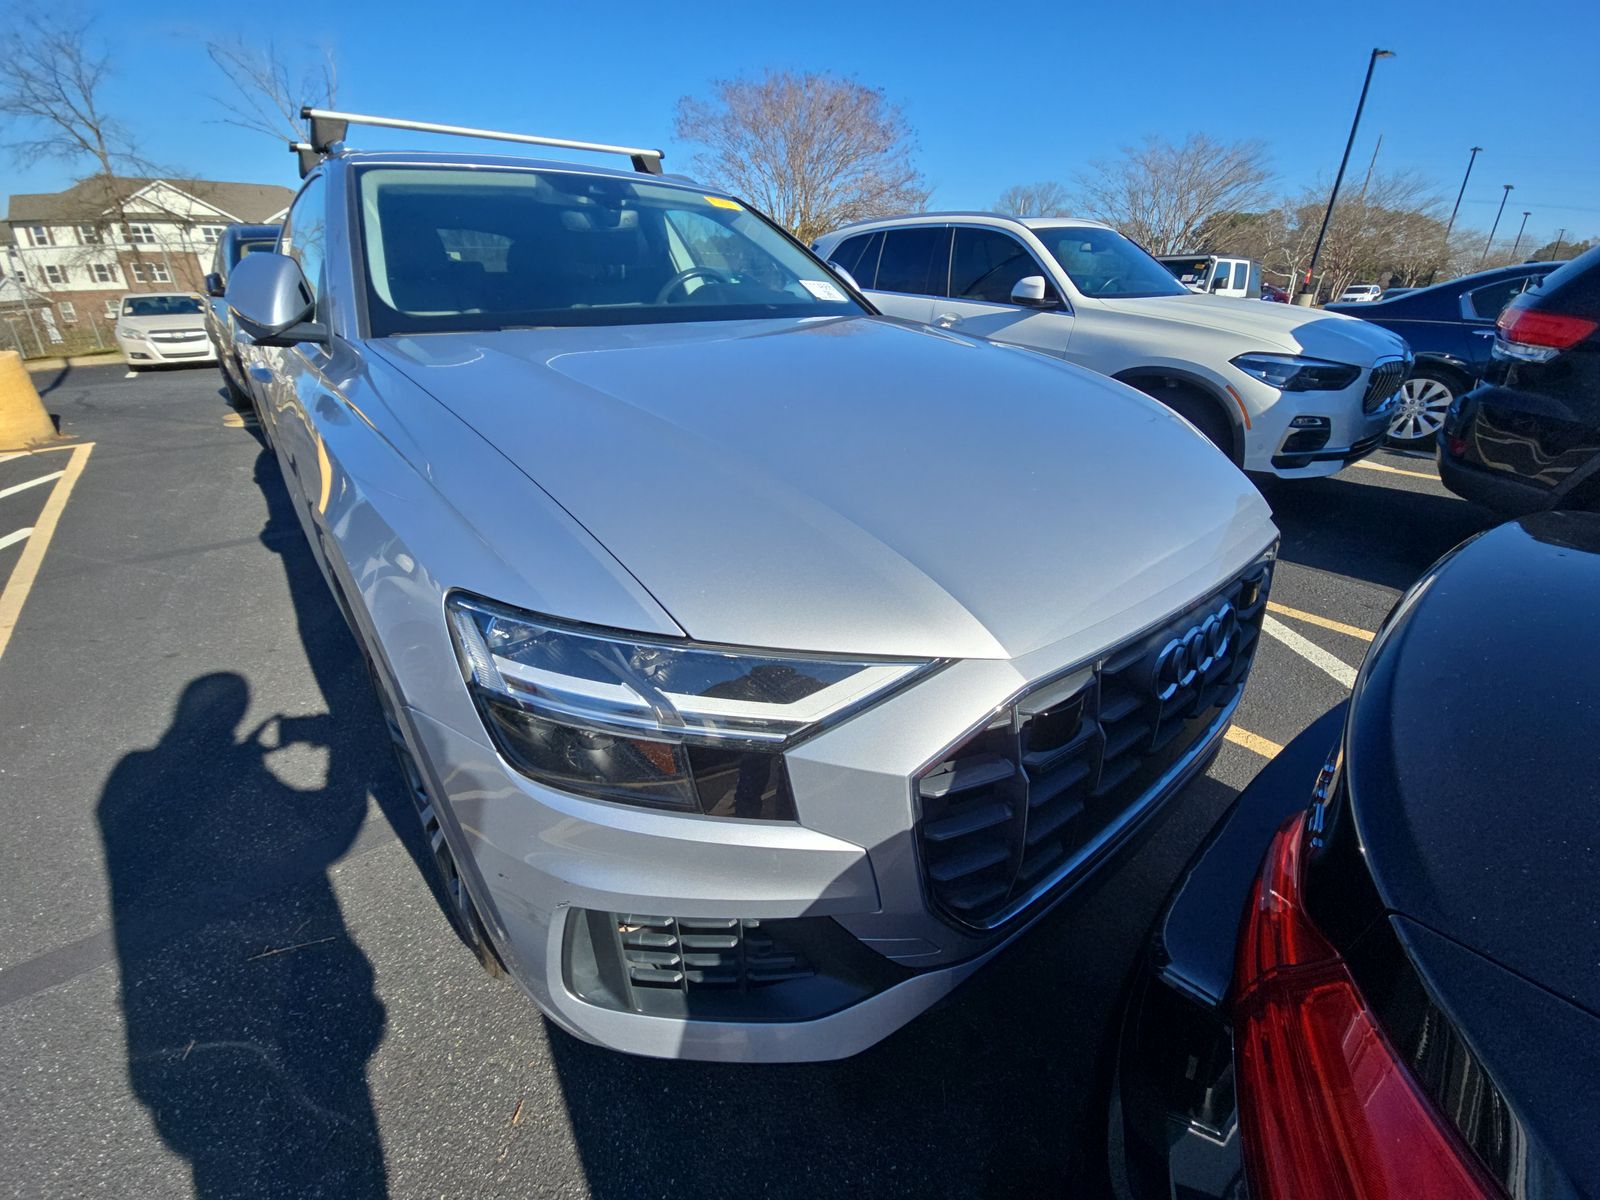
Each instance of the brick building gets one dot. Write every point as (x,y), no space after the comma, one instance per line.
(73,254)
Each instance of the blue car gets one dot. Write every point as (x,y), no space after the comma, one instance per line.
(1450,328)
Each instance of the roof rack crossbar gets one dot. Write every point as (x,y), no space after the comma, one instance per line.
(328,127)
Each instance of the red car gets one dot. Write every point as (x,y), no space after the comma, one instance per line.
(1276,294)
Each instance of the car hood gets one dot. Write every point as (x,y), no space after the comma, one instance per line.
(854,484)
(1313,332)
(194,320)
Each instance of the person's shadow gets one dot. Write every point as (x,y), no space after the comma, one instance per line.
(250,1012)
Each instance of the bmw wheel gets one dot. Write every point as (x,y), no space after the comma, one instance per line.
(463,911)
(1419,414)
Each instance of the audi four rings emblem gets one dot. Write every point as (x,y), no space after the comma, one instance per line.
(1191,653)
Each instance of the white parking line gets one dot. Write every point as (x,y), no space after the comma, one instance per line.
(11,539)
(131,375)
(22,487)
(1310,651)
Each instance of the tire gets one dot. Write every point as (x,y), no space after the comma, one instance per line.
(1194,406)
(461,909)
(1424,399)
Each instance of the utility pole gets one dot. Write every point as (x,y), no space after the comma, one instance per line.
(1482,258)
(1476,150)
(1367,182)
(1520,228)
(1556,253)
(1305,298)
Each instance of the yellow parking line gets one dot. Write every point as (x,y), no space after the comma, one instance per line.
(27,569)
(1253,742)
(1366,635)
(1367,465)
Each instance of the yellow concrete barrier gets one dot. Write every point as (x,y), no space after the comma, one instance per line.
(23,421)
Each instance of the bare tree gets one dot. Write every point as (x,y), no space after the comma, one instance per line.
(1161,194)
(812,151)
(270,86)
(1044,199)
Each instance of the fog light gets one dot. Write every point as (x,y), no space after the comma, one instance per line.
(1309,423)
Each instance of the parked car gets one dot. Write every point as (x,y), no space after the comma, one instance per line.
(1390,293)
(1398,997)
(732,739)
(234,243)
(158,328)
(1449,327)
(1528,436)
(1272,292)
(1215,274)
(1360,293)
(1285,391)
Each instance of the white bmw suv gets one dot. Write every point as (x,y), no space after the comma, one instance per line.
(1281,390)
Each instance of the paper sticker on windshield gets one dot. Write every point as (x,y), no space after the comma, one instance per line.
(823,290)
(724,202)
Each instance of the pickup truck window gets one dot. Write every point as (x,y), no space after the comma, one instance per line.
(451,250)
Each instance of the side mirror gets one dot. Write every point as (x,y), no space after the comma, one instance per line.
(1031,291)
(214,284)
(1220,282)
(843,274)
(270,299)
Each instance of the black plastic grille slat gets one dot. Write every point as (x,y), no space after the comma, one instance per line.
(719,952)
(1384,382)
(1011,808)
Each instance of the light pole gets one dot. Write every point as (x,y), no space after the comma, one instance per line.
(1556,253)
(1520,228)
(1305,298)
(1476,150)
(1484,256)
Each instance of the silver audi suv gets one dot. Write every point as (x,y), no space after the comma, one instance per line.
(761,665)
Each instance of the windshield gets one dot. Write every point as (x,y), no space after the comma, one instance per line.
(160,306)
(450,250)
(1104,264)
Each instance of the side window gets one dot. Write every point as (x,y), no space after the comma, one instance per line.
(305,232)
(219,265)
(915,261)
(859,256)
(986,265)
(1487,301)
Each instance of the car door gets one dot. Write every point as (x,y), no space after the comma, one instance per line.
(901,270)
(985,264)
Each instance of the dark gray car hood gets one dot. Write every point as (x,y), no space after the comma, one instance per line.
(853,484)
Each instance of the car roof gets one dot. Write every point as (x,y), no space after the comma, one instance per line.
(434,158)
(935,218)
(242,230)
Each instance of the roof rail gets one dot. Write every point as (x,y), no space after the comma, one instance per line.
(328,127)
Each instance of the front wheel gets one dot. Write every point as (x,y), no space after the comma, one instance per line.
(1199,410)
(1425,398)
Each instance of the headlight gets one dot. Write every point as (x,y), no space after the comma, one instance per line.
(657,722)
(1291,373)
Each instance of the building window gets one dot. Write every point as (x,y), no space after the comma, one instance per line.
(40,234)
(141,234)
(210,234)
(54,274)
(103,272)
(111,310)
(151,273)
(69,314)
(88,235)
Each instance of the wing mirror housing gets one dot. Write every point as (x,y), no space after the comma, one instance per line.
(214,285)
(1031,291)
(843,274)
(272,302)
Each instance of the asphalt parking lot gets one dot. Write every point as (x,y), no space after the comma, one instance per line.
(222,972)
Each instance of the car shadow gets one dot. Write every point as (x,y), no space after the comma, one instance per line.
(1383,535)
(1001,1090)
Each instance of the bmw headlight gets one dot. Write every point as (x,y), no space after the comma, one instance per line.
(1292,373)
(653,721)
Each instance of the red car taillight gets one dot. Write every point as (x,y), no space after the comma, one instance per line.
(1558,331)
(1326,1108)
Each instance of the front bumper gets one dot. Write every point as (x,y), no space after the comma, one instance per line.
(1275,445)
(1173,1124)
(149,352)
(591,904)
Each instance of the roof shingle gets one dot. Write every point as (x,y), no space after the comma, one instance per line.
(89,198)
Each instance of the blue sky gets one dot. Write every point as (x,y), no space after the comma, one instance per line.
(1032,92)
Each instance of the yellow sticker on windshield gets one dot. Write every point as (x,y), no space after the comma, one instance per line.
(724,202)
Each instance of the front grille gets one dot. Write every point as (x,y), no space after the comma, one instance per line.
(1385,381)
(1023,807)
(180,335)
(682,953)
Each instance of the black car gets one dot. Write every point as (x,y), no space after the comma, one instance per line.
(1528,437)
(1449,328)
(1401,997)
(234,243)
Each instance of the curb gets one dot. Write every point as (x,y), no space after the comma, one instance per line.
(109,358)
